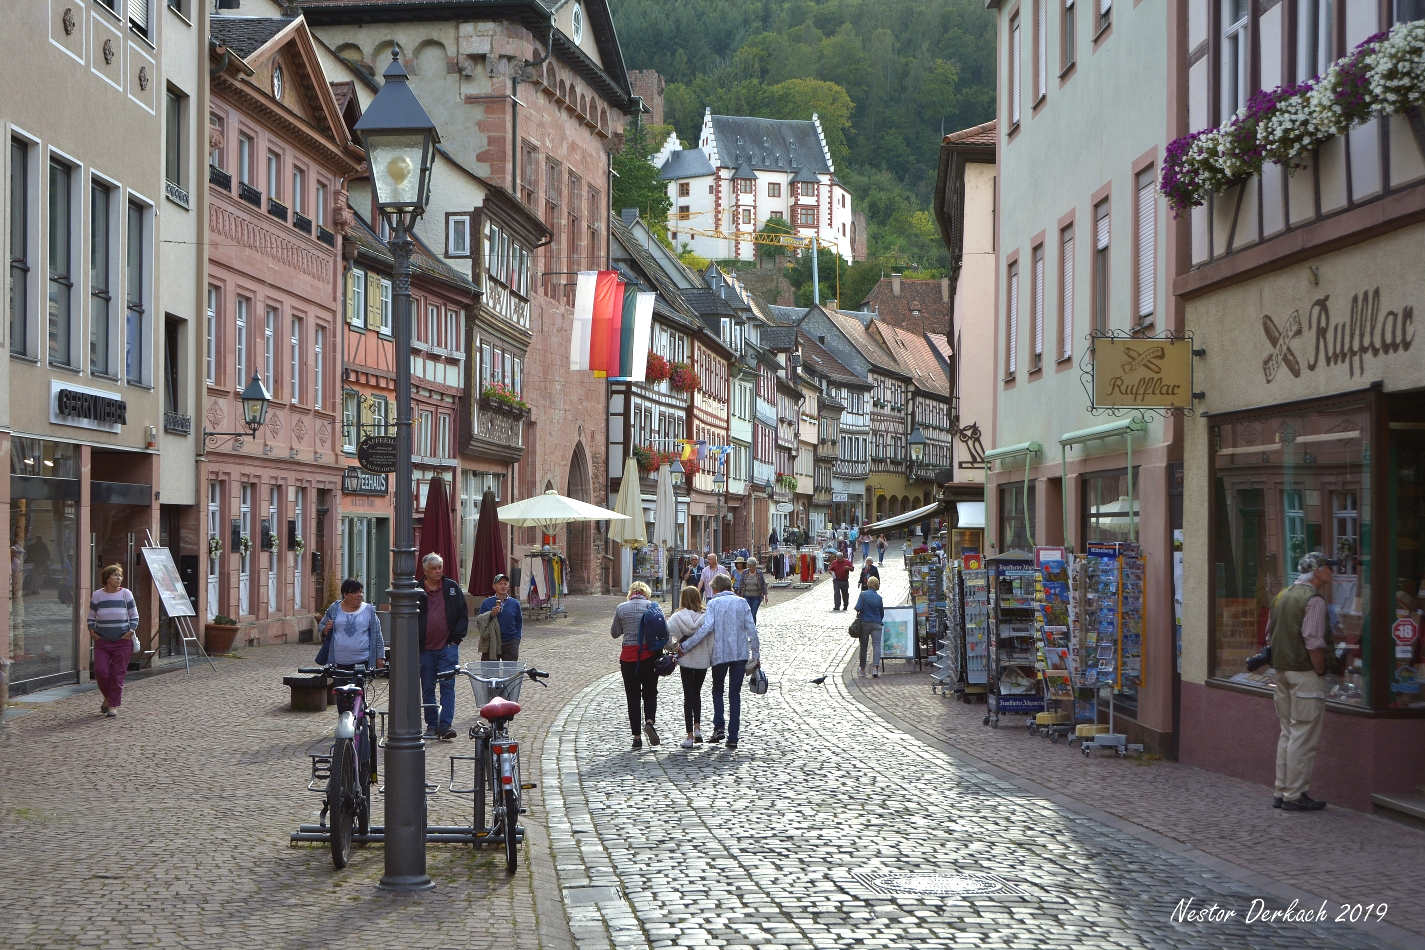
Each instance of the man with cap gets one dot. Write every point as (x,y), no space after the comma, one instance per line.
(506,610)
(1296,632)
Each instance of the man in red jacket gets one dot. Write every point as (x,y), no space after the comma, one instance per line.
(841,581)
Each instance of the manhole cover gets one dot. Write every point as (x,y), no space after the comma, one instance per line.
(953,884)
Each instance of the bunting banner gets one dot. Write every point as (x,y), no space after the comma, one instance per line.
(579,340)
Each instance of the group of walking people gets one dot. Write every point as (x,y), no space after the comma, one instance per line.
(717,635)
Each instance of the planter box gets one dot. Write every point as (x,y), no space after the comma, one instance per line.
(219,637)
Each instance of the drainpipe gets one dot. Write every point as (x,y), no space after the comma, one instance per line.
(515,109)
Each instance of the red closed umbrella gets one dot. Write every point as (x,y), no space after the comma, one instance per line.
(437,532)
(489,558)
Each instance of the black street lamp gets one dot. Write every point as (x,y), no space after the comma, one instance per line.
(400,143)
(255,398)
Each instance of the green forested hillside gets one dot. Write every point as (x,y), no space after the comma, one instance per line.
(887,78)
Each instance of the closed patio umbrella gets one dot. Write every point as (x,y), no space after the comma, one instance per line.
(489,558)
(630,532)
(437,532)
(665,511)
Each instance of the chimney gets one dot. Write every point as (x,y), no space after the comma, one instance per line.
(895,284)
(945,289)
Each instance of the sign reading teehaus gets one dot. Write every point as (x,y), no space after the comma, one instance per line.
(1142,373)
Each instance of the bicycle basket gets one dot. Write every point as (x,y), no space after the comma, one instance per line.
(496,679)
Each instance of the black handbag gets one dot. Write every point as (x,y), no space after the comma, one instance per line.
(855,629)
(665,664)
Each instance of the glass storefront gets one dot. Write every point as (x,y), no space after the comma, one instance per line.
(1016,516)
(1108,508)
(1406,609)
(1286,483)
(44,526)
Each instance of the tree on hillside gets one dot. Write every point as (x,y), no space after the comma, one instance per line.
(799,98)
(636,181)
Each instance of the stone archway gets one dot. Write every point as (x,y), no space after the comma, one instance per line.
(580,549)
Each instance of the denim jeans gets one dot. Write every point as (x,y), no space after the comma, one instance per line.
(870,632)
(433,662)
(754,603)
(733,673)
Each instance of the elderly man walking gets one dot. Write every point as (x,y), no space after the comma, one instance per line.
(442,619)
(711,570)
(729,622)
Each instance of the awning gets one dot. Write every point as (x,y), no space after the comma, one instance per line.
(971,514)
(910,517)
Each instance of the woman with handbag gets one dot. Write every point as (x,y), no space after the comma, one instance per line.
(869,614)
(351,630)
(868,571)
(694,665)
(113,624)
(636,663)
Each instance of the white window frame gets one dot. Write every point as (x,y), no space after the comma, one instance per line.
(274,176)
(245,560)
(1235,59)
(274,556)
(1015,68)
(75,281)
(215,530)
(1037,301)
(386,324)
(246,145)
(1103,236)
(294,382)
(1041,49)
(114,238)
(1066,292)
(299,515)
(299,189)
(320,208)
(443,435)
(242,307)
(31,263)
(269,347)
(145,293)
(1012,322)
(423,435)
(319,367)
(1315,37)
(357,316)
(210,334)
(350,421)
(1145,211)
(457,236)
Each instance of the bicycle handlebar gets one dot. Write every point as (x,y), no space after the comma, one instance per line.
(333,670)
(532,673)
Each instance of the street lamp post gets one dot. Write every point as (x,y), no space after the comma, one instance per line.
(400,143)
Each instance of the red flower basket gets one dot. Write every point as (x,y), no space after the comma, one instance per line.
(657,368)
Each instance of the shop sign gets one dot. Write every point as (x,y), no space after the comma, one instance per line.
(357,481)
(1364,333)
(839,496)
(1142,372)
(783,507)
(1405,632)
(377,453)
(86,408)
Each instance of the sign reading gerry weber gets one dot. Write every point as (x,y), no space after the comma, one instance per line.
(1142,372)
(1364,333)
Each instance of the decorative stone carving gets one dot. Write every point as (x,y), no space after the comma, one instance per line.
(299,430)
(143,78)
(274,423)
(108,52)
(66,20)
(215,137)
(341,213)
(214,414)
(324,435)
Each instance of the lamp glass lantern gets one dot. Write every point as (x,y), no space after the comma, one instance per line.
(255,398)
(400,141)
(917,444)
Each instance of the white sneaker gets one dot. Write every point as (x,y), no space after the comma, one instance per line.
(687,743)
(697,735)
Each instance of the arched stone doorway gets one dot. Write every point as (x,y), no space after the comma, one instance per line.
(580,549)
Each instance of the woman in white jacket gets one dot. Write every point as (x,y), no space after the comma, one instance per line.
(693,666)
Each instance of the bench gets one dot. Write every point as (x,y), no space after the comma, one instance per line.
(309,693)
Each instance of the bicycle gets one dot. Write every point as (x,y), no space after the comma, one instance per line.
(496,684)
(350,768)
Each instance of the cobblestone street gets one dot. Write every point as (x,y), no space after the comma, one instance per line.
(169,826)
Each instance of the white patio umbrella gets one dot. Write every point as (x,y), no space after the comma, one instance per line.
(665,511)
(630,532)
(552,509)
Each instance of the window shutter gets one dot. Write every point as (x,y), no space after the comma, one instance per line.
(1066,340)
(1014,75)
(138,14)
(1147,262)
(1101,232)
(1038,305)
(373,303)
(1013,328)
(349,295)
(1041,48)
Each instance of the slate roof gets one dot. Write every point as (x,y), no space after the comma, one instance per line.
(245,35)
(423,260)
(744,171)
(708,303)
(686,163)
(785,316)
(804,175)
(820,359)
(782,339)
(670,300)
(769,144)
(855,331)
(914,354)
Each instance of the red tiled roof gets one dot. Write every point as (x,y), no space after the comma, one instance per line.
(915,355)
(983,134)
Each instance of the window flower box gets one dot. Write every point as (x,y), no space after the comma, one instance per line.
(500,396)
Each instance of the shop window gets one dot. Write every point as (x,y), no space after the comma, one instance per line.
(1286,484)
(1109,509)
(1016,516)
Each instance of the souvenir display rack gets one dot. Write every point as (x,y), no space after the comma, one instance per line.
(1063,712)
(927,589)
(544,580)
(1018,598)
(949,664)
(963,657)
(1108,605)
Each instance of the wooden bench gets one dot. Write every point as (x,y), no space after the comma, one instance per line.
(309,693)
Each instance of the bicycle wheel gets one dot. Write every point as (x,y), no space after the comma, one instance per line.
(341,804)
(482,750)
(511,822)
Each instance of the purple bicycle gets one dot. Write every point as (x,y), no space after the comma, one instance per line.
(350,768)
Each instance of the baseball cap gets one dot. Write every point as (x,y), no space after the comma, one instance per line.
(498,578)
(1312,561)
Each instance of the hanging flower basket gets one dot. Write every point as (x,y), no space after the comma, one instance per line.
(1383,75)
(298,546)
(683,377)
(244,545)
(657,370)
(650,459)
(215,547)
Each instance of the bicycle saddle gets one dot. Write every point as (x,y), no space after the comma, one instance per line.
(499,708)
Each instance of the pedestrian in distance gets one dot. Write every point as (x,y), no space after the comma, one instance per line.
(868,571)
(1297,635)
(736,651)
(739,567)
(351,630)
(506,611)
(692,665)
(870,611)
(636,663)
(881,549)
(442,619)
(841,581)
(710,570)
(113,621)
(754,587)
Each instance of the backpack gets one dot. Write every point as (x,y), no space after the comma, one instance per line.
(652,630)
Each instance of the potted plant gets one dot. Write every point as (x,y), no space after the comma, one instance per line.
(219,634)
(498,394)
(683,378)
(657,368)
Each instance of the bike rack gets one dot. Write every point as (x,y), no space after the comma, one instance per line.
(435,834)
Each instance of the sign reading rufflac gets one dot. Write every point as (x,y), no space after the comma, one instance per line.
(1142,373)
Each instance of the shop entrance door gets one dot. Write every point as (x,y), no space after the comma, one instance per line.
(1406,445)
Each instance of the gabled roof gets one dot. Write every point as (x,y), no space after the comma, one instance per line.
(820,360)
(914,354)
(424,261)
(708,303)
(786,316)
(245,35)
(779,339)
(804,175)
(983,134)
(686,163)
(940,343)
(856,333)
(643,267)
(769,144)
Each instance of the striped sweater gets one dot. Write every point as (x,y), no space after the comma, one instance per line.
(113,616)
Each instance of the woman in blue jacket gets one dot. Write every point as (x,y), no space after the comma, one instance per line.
(869,611)
(351,630)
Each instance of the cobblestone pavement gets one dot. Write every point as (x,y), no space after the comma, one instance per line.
(169,825)
(790,841)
